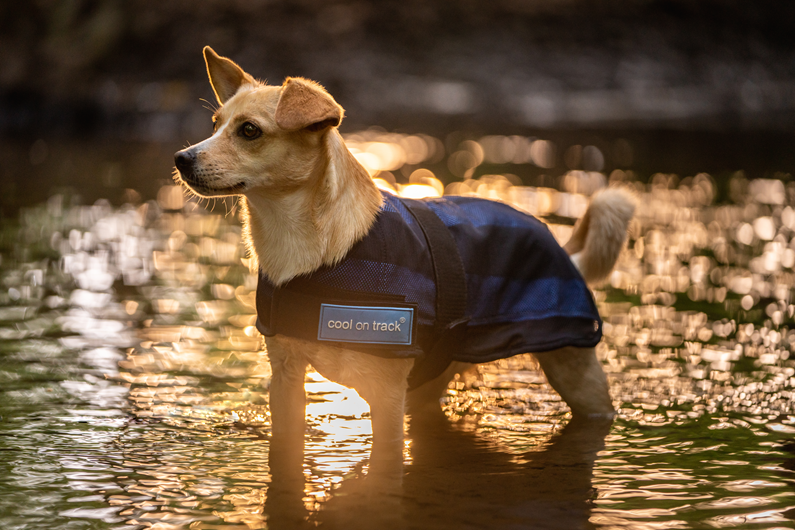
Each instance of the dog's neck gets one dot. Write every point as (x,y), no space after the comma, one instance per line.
(296,232)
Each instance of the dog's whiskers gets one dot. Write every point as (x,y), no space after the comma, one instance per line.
(212,107)
(230,210)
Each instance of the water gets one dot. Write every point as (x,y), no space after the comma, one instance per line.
(133,392)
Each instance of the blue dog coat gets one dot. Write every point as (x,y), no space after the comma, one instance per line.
(519,290)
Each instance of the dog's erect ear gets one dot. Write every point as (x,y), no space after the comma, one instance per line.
(225,76)
(305,104)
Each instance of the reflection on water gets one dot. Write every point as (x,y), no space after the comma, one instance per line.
(134,389)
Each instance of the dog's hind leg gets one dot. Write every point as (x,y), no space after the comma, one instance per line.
(577,375)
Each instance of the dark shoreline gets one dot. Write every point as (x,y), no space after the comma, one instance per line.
(106,168)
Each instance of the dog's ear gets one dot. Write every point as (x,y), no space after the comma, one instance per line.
(225,76)
(304,104)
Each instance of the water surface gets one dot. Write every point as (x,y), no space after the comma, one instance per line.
(133,385)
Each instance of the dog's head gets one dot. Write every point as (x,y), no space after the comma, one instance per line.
(264,136)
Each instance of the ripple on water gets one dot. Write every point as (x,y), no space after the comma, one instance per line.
(134,388)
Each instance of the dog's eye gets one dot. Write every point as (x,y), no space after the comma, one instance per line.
(249,130)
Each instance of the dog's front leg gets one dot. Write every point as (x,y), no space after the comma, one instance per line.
(284,505)
(387,415)
(383,383)
(287,394)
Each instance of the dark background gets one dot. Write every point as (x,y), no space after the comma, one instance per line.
(96,95)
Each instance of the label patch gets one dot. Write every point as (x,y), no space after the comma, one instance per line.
(371,325)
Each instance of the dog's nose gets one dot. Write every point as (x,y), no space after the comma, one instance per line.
(184,160)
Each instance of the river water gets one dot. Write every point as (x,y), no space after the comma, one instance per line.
(133,385)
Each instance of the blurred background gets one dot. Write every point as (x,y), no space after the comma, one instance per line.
(132,377)
(97,95)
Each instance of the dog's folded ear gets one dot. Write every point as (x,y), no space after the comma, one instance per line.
(225,76)
(304,104)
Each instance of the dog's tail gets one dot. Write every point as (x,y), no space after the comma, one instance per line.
(600,234)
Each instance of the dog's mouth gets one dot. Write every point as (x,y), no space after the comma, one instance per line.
(205,190)
(200,179)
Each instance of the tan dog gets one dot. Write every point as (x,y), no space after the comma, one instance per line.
(307,201)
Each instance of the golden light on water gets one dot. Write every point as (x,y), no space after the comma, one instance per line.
(383,153)
(342,415)
(158,300)
(418,191)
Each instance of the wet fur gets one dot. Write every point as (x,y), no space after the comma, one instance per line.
(306,201)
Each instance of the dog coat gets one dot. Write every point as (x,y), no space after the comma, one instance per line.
(440,280)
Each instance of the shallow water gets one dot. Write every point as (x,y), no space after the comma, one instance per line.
(133,386)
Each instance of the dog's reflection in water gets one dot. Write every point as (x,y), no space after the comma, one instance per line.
(456,479)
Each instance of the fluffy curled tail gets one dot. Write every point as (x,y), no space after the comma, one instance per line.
(600,234)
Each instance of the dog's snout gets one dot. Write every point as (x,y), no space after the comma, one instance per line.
(184,161)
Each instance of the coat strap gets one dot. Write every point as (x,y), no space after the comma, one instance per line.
(451,295)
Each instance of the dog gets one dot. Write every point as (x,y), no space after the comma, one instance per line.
(309,208)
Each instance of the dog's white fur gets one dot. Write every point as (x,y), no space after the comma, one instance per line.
(306,202)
